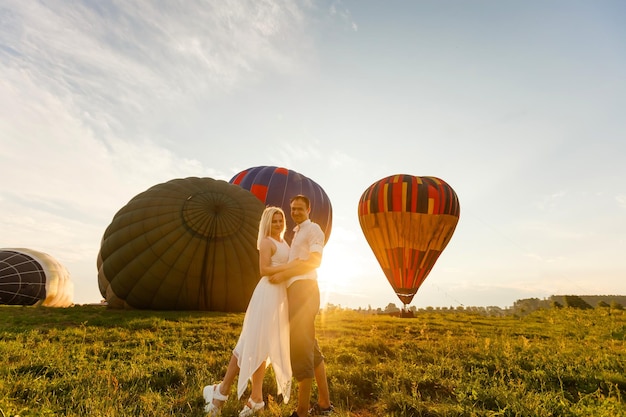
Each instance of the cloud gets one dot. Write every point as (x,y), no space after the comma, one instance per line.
(550,202)
(119,64)
(293,153)
(341,160)
(338,10)
(63,181)
(554,231)
(53,155)
(82,88)
(621,200)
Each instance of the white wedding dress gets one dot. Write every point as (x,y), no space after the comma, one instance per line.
(265,333)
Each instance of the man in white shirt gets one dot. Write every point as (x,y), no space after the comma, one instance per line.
(307,361)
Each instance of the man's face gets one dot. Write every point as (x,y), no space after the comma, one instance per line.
(299,211)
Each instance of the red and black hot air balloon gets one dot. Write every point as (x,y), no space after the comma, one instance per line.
(275,186)
(408,221)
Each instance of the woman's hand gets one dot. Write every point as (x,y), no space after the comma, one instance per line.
(276,278)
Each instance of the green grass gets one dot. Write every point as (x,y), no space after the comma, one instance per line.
(92,361)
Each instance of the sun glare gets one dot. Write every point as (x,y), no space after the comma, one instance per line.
(337,275)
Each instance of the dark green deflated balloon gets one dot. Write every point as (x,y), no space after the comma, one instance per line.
(187,244)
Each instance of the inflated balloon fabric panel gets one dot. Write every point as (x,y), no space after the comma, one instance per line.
(406,246)
(22,279)
(406,193)
(188,244)
(408,221)
(275,186)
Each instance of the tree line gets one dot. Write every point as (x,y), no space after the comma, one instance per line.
(519,307)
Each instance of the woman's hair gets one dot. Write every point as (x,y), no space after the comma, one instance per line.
(265,225)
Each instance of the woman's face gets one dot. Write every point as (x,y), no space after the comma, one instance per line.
(278,222)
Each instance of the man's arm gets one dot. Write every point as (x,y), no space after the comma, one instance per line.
(298,267)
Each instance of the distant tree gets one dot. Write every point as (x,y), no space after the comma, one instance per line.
(616,306)
(494,311)
(331,307)
(602,304)
(528,305)
(556,304)
(574,301)
(391,308)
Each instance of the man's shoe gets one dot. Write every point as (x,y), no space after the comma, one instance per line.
(317,411)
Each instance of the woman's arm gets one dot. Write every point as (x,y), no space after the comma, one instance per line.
(266,251)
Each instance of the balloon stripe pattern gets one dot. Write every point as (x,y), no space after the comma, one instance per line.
(408,221)
(275,186)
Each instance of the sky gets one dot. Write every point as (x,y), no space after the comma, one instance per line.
(518,105)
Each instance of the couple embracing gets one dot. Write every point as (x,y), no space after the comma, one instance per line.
(279,325)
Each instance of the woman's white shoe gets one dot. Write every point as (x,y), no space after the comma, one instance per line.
(251,408)
(209,393)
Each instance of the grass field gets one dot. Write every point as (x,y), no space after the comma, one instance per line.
(92,361)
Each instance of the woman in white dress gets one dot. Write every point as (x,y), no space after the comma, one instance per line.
(264,338)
